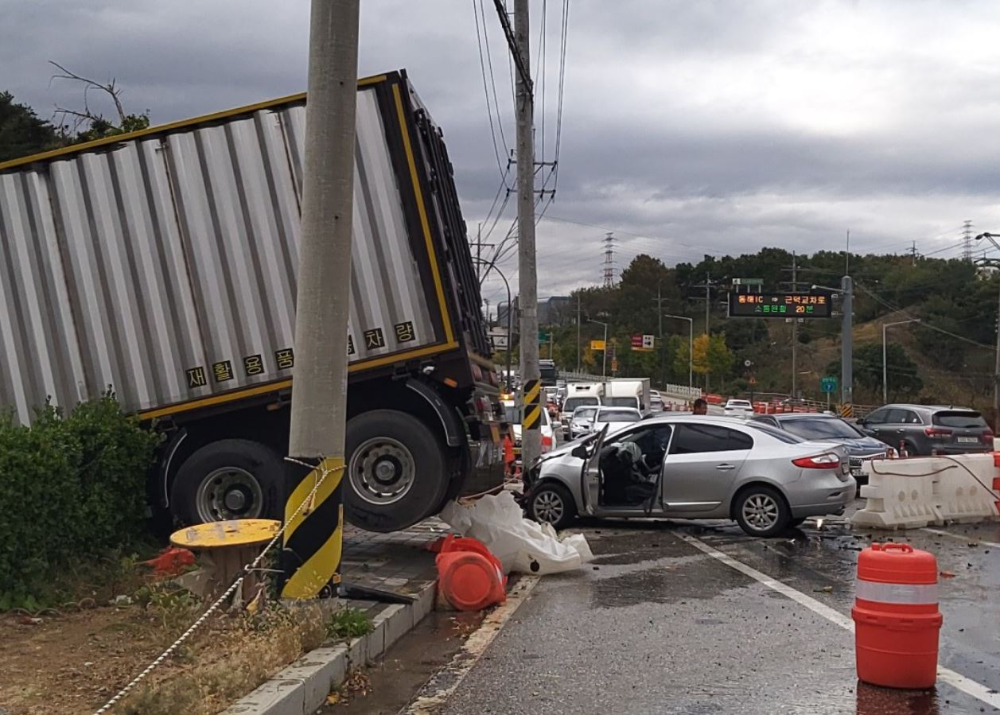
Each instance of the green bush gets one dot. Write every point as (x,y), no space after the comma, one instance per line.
(71,489)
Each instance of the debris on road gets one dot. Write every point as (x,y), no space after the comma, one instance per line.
(521,545)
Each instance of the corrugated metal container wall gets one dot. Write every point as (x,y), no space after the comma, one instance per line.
(164,266)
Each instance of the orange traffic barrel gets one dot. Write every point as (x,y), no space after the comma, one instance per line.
(469,581)
(896,617)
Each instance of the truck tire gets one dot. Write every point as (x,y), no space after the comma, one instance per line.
(228,479)
(397,471)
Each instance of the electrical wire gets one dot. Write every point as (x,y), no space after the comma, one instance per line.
(923,323)
(486,91)
(493,82)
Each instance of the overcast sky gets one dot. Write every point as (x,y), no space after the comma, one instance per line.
(689,127)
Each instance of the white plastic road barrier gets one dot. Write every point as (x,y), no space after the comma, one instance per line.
(519,543)
(900,494)
(966,495)
(918,492)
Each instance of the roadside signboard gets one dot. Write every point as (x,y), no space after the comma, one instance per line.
(643,343)
(780,305)
(828,384)
(748,281)
(597,345)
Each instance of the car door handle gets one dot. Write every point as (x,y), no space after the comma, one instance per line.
(725,467)
(900,431)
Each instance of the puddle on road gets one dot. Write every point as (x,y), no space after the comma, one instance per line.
(884,701)
(660,584)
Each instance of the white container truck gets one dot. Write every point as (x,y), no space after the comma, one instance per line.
(163,264)
(628,392)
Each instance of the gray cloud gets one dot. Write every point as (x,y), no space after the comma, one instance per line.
(690,127)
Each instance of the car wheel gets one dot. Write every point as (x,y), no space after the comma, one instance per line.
(761,511)
(551,503)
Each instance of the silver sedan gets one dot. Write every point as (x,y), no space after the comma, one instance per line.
(693,467)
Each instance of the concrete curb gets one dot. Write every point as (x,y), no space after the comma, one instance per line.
(302,687)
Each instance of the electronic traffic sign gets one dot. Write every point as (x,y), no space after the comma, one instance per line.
(780,305)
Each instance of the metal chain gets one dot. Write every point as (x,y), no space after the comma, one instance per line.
(229,591)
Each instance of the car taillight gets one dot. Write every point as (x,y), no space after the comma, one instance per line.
(937,432)
(988,437)
(820,461)
(546,443)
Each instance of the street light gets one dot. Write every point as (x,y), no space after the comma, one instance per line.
(996,366)
(604,362)
(690,345)
(885,372)
(510,311)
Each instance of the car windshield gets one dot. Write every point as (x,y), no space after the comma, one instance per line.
(819,428)
(782,436)
(960,420)
(618,416)
(573,402)
(738,403)
(624,401)
(584,413)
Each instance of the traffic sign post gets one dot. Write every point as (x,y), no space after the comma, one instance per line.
(829,386)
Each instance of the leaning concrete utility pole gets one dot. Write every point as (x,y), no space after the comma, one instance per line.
(314,517)
(531,440)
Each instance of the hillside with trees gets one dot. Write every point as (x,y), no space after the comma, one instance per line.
(947,357)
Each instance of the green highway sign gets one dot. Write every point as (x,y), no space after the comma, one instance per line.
(543,337)
(828,384)
(748,281)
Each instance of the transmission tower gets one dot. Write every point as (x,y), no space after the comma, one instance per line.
(609,260)
(967,241)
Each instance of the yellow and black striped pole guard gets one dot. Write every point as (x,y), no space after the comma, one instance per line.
(847,410)
(532,405)
(314,532)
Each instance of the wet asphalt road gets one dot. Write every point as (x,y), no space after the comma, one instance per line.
(657,626)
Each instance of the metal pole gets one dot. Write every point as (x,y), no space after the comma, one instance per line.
(885,371)
(659,319)
(604,362)
(311,556)
(847,344)
(690,353)
(578,332)
(531,441)
(795,332)
(996,377)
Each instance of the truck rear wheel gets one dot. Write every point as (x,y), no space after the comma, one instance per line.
(228,479)
(397,471)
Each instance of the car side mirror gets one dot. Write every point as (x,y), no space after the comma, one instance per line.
(861,422)
(580,451)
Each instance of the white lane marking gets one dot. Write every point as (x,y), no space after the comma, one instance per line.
(436,691)
(958,537)
(956,680)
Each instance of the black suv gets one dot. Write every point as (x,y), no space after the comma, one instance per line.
(929,429)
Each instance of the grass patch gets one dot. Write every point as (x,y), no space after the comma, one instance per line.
(349,623)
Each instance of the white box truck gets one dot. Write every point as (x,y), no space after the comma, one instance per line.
(628,392)
(162,264)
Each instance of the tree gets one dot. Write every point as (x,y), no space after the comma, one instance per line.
(718,356)
(902,372)
(86,124)
(22,133)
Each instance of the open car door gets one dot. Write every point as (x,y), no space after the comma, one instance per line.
(590,477)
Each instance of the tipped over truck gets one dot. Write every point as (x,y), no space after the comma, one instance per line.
(162,264)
